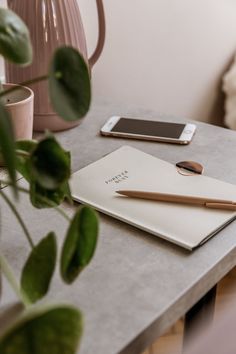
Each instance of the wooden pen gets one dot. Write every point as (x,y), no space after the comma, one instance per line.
(183,199)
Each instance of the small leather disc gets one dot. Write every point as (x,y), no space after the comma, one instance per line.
(189,168)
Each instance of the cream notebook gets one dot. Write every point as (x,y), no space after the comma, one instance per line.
(129,168)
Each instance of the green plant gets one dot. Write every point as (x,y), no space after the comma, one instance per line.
(46,167)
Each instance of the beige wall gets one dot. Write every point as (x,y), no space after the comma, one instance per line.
(168,55)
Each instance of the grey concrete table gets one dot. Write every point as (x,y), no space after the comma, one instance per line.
(136,285)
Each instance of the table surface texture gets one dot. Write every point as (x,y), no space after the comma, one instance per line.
(137,285)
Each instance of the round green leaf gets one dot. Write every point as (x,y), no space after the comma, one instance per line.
(50,164)
(80,243)
(39,268)
(47,330)
(69,84)
(41,197)
(44,198)
(15,42)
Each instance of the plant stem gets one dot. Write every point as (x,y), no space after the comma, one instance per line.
(17,215)
(43,199)
(7,271)
(61,211)
(25,83)
(48,202)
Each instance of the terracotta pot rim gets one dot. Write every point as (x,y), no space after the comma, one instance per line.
(23,101)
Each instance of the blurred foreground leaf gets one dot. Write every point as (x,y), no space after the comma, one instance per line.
(52,330)
(50,164)
(39,268)
(15,42)
(80,243)
(69,84)
(40,196)
(43,198)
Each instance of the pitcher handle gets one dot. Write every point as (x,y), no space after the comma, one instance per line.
(101,34)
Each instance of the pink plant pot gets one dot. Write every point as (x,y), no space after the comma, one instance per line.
(20,105)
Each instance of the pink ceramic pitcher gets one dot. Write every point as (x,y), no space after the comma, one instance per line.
(52,23)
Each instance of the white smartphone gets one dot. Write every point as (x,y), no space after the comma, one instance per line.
(177,133)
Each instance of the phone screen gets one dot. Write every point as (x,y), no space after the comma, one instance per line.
(148,127)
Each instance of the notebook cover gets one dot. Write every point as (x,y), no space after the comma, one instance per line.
(129,168)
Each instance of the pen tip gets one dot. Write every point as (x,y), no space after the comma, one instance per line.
(120,192)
